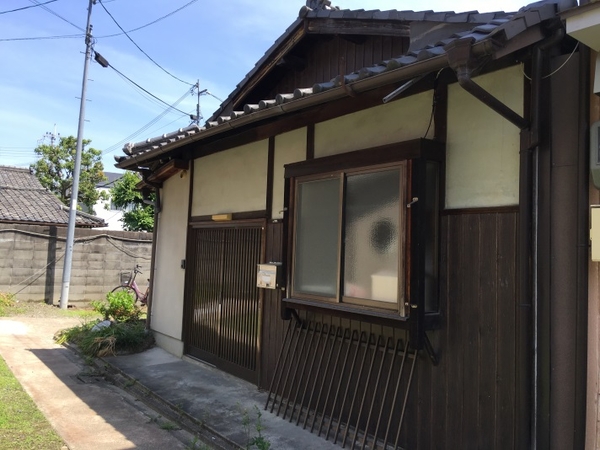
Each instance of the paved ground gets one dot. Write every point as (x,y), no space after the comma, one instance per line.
(89,412)
(85,410)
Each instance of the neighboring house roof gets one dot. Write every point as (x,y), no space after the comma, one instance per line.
(430,33)
(24,200)
(111,177)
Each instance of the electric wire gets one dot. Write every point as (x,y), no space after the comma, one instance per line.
(140,131)
(42,38)
(143,94)
(73,36)
(139,48)
(123,141)
(27,7)
(149,23)
(146,91)
(559,68)
(36,2)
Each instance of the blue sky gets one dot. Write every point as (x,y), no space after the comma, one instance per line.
(216,43)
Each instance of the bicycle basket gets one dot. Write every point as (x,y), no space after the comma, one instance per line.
(125,278)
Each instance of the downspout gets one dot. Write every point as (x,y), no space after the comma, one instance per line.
(460,60)
(157,205)
(531,153)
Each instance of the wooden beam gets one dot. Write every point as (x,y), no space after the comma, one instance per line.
(168,170)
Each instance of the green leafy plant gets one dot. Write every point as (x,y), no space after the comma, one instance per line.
(197,444)
(119,305)
(169,426)
(120,337)
(138,215)
(256,441)
(55,167)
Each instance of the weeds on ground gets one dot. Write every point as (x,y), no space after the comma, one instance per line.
(197,444)
(169,426)
(22,425)
(254,441)
(124,337)
(125,334)
(6,301)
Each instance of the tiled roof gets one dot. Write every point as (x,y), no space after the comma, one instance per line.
(23,199)
(494,27)
(111,177)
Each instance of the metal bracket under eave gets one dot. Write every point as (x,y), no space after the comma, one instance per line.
(459,53)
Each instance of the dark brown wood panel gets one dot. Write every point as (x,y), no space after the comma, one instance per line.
(326,57)
(469,400)
(274,328)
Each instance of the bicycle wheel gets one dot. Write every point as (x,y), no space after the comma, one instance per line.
(128,289)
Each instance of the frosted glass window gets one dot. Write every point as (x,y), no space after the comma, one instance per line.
(372,236)
(317,237)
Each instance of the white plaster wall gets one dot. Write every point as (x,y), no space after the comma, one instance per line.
(482,150)
(231,181)
(289,148)
(169,277)
(397,121)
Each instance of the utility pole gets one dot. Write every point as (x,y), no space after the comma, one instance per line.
(52,136)
(66,279)
(198,104)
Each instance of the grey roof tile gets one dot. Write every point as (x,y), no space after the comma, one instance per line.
(408,16)
(385,15)
(284,98)
(302,92)
(24,199)
(264,104)
(250,108)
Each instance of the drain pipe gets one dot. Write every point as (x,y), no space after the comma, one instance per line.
(459,54)
(532,153)
(157,207)
(460,60)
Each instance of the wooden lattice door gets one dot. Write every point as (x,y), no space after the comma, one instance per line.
(222,302)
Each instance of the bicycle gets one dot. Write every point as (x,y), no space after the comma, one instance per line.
(129,285)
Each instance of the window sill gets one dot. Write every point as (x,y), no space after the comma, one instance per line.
(354,312)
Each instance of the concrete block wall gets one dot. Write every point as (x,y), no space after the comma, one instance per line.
(32,260)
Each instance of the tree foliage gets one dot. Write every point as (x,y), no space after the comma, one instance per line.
(138,216)
(56,165)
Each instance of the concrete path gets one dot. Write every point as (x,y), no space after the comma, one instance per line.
(86,411)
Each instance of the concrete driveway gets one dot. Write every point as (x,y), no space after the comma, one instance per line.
(86,411)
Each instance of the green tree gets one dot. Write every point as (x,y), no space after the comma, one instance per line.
(56,165)
(138,216)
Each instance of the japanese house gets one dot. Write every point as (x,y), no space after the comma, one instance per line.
(411,191)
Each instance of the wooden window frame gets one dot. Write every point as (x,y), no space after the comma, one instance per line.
(413,155)
(340,298)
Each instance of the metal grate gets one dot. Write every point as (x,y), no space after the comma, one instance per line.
(346,385)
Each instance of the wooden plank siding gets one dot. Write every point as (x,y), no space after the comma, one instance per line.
(469,400)
(335,55)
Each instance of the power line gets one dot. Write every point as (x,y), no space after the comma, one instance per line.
(137,85)
(149,23)
(72,36)
(27,7)
(37,3)
(116,146)
(139,48)
(41,38)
